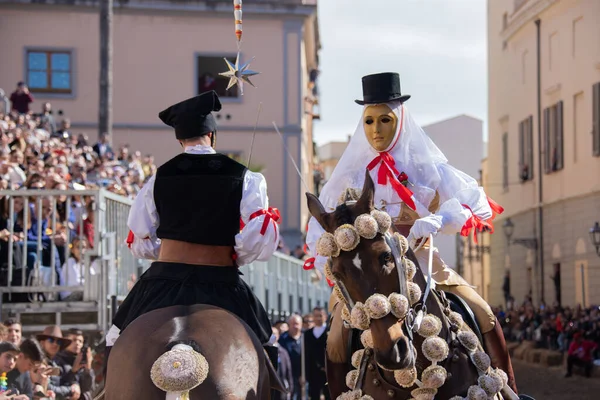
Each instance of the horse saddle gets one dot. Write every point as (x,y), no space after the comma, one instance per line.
(457,304)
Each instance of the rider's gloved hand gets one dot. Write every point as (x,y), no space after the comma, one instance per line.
(425,226)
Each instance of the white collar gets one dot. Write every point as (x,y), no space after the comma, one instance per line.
(199,149)
(318,330)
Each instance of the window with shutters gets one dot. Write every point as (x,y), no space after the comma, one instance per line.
(553,138)
(526,149)
(596,120)
(50,71)
(505,161)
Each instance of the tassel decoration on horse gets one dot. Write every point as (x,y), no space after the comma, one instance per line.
(179,370)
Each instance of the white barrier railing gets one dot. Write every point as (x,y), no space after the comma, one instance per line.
(31,270)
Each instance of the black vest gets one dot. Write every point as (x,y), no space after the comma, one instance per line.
(198,199)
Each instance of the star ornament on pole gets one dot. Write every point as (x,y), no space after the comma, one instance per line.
(239,75)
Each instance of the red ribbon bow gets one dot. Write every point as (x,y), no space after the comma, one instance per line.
(477,224)
(309,264)
(272,214)
(388,173)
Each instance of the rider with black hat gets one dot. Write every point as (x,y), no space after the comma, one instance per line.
(187,218)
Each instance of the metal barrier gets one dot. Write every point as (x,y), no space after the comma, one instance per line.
(35,269)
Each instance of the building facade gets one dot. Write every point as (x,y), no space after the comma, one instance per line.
(166,51)
(329,155)
(453,136)
(544,148)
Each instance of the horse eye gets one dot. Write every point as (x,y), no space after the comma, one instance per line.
(386,258)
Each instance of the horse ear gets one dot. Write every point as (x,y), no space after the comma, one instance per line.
(366,201)
(316,209)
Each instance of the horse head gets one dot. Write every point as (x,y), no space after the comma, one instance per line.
(366,266)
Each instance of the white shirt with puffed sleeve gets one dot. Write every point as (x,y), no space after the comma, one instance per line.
(257,241)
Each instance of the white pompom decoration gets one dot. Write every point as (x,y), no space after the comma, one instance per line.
(411,269)
(406,377)
(414,293)
(326,246)
(384,221)
(434,376)
(430,326)
(351,378)
(366,338)
(469,340)
(378,306)
(476,393)
(366,226)
(357,358)
(346,237)
(359,317)
(435,349)
(398,305)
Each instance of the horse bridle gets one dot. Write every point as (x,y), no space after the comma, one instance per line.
(414,317)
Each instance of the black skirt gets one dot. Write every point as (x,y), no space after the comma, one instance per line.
(173,284)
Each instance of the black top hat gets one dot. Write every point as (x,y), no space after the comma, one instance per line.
(382,88)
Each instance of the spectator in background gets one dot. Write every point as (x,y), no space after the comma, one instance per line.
(580,353)
(284,370)
(88,225)
(8,360)
(52,341)
(315,341)
(21,98)
(3,333)
(30,358)
(15,331)
(103,148)
(47,121)
(291,342)
(75,363)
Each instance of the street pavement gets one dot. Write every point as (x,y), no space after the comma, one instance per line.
(543,383)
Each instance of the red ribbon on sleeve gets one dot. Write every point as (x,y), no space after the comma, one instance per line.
(477,224)
(271,215)
(130,239)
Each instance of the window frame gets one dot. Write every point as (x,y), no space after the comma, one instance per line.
(526,149)
(505,169)
(596,119)
(198,55)
(49,92)
(554,138)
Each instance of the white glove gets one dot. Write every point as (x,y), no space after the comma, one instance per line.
(430,224)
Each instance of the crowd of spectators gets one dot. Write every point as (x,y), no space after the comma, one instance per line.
(40,150)
(46,366)
(571,330)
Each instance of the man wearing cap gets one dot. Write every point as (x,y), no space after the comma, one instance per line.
(187,217)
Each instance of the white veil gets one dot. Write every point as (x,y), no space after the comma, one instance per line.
(414,152)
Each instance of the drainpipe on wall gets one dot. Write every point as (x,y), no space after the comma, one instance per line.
(540,247)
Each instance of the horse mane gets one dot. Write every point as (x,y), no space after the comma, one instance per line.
(343,215)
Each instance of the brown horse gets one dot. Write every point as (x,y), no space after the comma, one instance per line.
(372,266)
(233,367)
